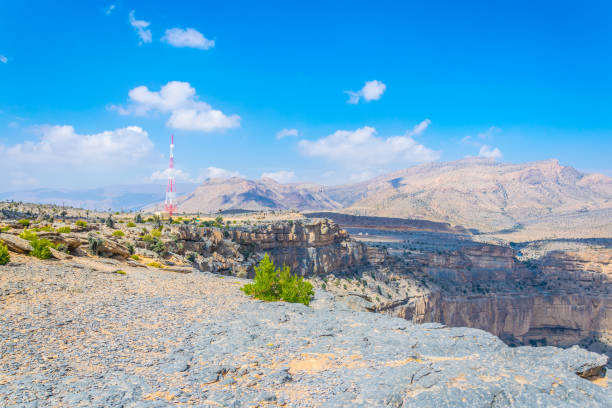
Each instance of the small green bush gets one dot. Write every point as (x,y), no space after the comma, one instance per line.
(138,219)
(154,264)
(28,235)
(4,229)
(94,244)
(135,257)
(130,224)
(156,233)
(40,248)
(272,284)
(120,272)
(110,223)
(191,256)
(158,247)
(63,230)
(81,223)
(4,254)
(25,222)
(118,233)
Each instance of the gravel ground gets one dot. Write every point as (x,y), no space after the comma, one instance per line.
(74,333)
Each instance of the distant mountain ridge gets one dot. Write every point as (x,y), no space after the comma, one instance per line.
(259,195)
(121,197)
(474,193)
(479,193)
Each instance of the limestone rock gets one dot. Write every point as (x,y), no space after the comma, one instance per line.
(59,254)
(16,244)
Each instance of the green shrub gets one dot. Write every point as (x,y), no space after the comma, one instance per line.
(28,235)
(138,219)
(156,233)
(130,248)
(191,256)
(158,246)
(63,230)
(118,233)
(4,229)
(219,220)
(272,284)
(120,272)
(4,254)
(130,224)
(94,244)
(25,222)
(110,223)
(40,248)
(154,264)
(135,257)
(81,223)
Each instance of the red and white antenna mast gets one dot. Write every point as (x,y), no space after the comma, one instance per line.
(170,205)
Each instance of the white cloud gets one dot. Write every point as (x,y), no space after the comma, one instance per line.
(371,91)
(3,59)
(420,128)
(361,149)
(141,29)
(286,132)
(216,172)
(489,133)
(180,100)
(110,10)
(489,152)
(188,37)
(282,176)
(63,154)
(361,176)
(177,173)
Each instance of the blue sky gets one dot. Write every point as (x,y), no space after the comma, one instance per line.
(80,82)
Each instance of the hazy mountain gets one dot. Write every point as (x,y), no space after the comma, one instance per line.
(479,193)
(264,194)
(122,197)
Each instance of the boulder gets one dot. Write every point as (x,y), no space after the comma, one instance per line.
(59,254)
(16,244)
(180,269)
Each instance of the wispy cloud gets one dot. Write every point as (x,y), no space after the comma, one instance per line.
(188,37)
(484,149)
(216,172)
(371,91)
(286,132)
(3,59)
(419,128)
(179,99)
(141,29)
(110,9)
(282,176)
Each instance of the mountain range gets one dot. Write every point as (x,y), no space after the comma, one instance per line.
(475,193)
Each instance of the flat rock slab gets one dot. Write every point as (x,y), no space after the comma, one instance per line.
(76,336)
(179,269)
(15,243)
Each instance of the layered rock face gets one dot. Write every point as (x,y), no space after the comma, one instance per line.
(536,295)
(310,247)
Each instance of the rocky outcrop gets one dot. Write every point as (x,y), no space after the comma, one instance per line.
(16,244)
(309,247)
